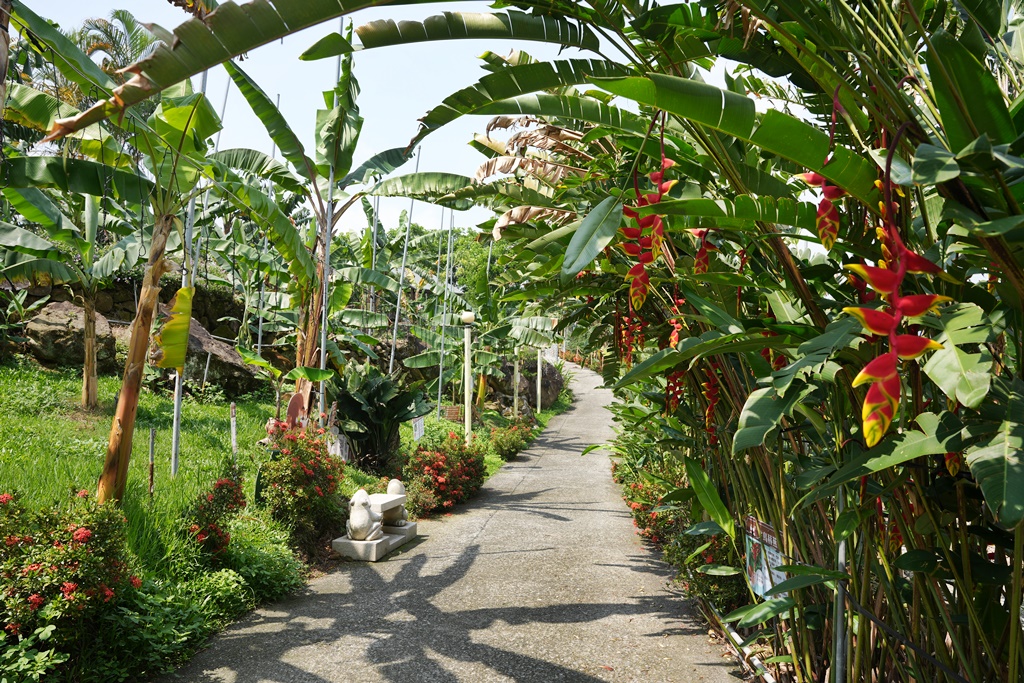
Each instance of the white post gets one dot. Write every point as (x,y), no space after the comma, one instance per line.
(467,320)
(326,269)
(515,386)
(187,279)
(540,371)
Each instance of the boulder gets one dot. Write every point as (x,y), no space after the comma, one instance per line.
(551,383)
(227,370)
(57,337)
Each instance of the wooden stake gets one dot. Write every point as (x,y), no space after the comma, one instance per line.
(152,458)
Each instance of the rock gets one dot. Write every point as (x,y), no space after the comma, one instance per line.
(551,383)
(104,302)
(57,337)
(227,370)
(60,294)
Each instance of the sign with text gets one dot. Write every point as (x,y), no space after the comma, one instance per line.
(763,556)
(417,428)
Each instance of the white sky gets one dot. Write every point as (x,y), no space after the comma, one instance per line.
(398,85)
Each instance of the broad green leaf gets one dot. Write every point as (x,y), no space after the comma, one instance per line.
(719,570)
(814,353)
(33,108)
(75,175)
(510,83)
(379,165)
(934,165)
(510,25)
(581,108)
(26,242)
(228,31)
(969,99)
(733,114)
(743,210)
(429,186)
(797,582)
(917,561)
(846,524)
(365,276)
(709,498)
(259,165)
(423,360)
(998,465)
(594,234)
(356,317)
(655,365)
(310,374)
(762,412)
(170,336)
(277,127)
(751,615)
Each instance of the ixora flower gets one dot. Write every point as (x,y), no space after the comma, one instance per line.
(5,498)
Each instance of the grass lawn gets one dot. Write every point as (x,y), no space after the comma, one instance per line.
(49,447)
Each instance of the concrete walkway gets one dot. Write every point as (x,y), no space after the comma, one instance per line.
(539,579)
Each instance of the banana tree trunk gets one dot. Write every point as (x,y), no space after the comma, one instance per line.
(119,450)
(89,380)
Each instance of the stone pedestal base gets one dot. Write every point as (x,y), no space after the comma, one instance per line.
(374,551)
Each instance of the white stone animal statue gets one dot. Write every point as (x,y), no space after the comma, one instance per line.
(363,523)
(396,516)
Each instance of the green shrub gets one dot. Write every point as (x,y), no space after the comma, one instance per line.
(149,632)
(221,596)
(300,488)
(259,552)
(508,441)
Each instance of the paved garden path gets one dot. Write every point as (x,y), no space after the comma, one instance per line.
(539,579)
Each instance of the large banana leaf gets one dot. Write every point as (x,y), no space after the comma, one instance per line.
(33,108)
(568,107)
(426,186)
(22,268)
(455,26)
(365,276)
(33,204)
(195,46)
(513,82)
(774,131)
(277,127)
(75,175)
(21,240)
(741,210)
(378,165)
(258,164)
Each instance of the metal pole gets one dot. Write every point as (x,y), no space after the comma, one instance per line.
(444,308)
(328,229)
(223,110)
(839,609)
(540,371)
(444,291)
(401,274)
(468,382)
(515,385)
(187,279)
(234,435)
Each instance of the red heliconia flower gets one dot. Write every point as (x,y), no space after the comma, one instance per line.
(631,248)
(880,368)
(914,305)
(832,193)
(827,223)
(882,280)
(910,346)
(874,321)
(813,179)
(631,233)
(879,408)
(895,538)
(916,263)
(700,260)
(953,462)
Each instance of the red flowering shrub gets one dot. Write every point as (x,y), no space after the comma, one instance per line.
(452,472)
(212,510)
(61,567)
(300,486)
(509,440)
